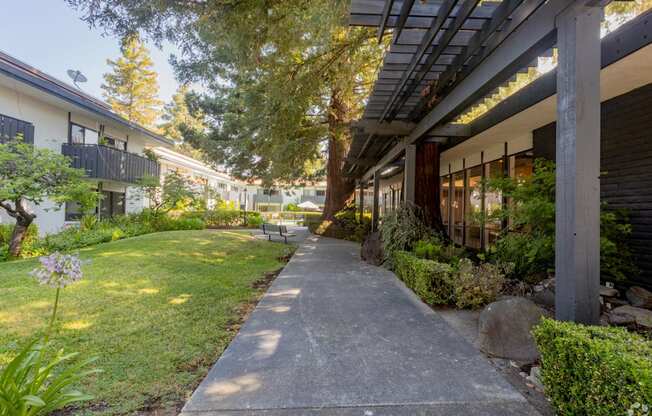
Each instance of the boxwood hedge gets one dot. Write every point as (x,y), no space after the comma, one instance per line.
(597,371)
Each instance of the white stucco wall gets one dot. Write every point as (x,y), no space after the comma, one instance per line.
(50,119)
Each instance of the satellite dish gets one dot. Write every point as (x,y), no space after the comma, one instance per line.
(76,77)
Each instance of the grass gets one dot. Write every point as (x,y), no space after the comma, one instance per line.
(157,309)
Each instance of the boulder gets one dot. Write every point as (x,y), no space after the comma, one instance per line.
(643,316)
(372,249)
(621,319)
(545,298)
(505,329)
(639,297)
(608,292)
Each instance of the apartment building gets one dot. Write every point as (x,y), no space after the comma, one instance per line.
(54,115)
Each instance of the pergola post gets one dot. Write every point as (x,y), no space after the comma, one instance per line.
(361,199)
(375,206)
(409,173)
(577,224)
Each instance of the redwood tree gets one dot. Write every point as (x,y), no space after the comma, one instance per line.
(282,80)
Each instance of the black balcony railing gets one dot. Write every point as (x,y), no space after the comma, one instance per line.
(104,162)
(11,127)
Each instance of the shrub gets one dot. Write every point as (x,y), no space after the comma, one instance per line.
(430,280)
(223,217)
(529,241)
(428,249)
(476,286)
(346,226)
(401,229)
(597,371)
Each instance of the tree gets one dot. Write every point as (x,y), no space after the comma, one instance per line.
(283,80)
(177,118)
(176,192)
(131,88)
(30,175)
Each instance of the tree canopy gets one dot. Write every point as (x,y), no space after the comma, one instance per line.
(131,88)
(282,80)
(177,118)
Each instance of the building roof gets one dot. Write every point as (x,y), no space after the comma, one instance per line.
(448,55)
(35,78)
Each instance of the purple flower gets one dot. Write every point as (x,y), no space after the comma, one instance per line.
(58,270)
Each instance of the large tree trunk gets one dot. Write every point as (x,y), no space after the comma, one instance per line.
(23,220)
(17,237)
(339,189)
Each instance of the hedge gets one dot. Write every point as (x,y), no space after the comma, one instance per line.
(597,371)
(430,280)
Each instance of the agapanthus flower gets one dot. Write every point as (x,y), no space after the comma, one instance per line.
(58,270)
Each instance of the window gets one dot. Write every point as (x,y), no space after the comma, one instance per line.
(444,197)
(473,205)
(83,135)
(73,211)
(493,202)
(113,203)
(115,143)
(521,165)
(457,208)
(320,192)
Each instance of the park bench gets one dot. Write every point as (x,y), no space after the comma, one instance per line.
(273,229)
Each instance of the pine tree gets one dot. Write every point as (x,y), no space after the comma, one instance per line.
(131,88)
(177,117)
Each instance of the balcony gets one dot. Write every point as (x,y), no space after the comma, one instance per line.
(315,199)
(102,162)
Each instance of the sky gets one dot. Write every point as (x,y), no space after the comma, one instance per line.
(50,36)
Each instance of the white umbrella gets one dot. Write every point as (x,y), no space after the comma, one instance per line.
(308,205)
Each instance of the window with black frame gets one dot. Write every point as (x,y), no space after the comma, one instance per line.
(473,207)
(457,208)
(444,200)
(83,135)
(493,202)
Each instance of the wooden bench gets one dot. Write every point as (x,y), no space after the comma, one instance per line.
(273,229)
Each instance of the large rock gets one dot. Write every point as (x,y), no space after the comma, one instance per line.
(505,329)
(643,316)
(372,249)
(639,297)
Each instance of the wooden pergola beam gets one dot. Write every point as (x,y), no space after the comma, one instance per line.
(402,18)
(501,14)
(463,13)
(383,19)
(426,41)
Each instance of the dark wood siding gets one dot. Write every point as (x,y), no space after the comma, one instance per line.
(10,127)
(626,165)
(426,184)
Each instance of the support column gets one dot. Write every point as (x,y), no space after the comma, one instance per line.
(409,173)
(577,238)
(361,207)
(374,209)
(427,183)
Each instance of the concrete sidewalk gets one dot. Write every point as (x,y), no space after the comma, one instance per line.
(336,336)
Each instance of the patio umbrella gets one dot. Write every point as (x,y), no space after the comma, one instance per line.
(309,206)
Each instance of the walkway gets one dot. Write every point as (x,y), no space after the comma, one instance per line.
(335,336)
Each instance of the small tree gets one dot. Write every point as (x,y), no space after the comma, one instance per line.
(88,198)
(30,175)
(175,192)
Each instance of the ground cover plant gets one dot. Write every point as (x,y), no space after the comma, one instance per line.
(157,310)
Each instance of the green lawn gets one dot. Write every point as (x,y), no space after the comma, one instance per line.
(156,309)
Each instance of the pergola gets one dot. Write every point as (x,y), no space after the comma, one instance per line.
(446,55)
